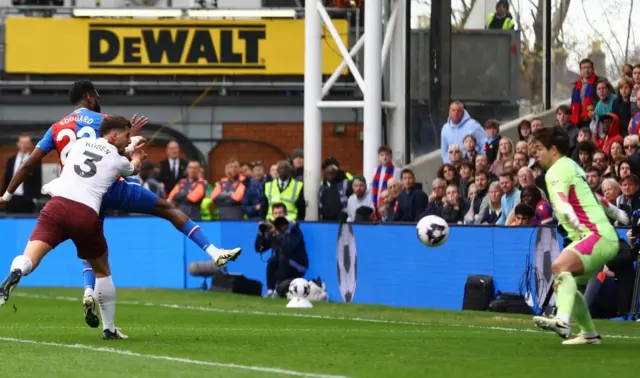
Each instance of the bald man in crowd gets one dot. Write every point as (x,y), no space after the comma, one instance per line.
(174,168)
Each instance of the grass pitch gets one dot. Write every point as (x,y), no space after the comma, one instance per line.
(203,334)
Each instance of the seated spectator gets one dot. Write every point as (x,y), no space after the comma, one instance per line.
(563,119)
(229,192)
(455,155)
(333,194)
(536,124)
(361,197)
(465,170)
(526,177)
(189,192)
(491,146)
(386,207)
(523,215)
(149,181)
(493,211)
(436,198)
(289,259)
(624,170)
(601,161)
(510,198)
(482,163)
(522,147)
(543,213)
(482,188)
(616,157)
(473,192)
(507,166)
(455,206)
(611,189)
(449,173)
(457,126)
(622,104)
(633,128)
(412,201)
(470,148)
(607,132)
(505,152)
(520,160)
(524,130)
(606,98)
(585,151)
(583,135)
(594,178)
(629,200)
(630,144)
(593,123)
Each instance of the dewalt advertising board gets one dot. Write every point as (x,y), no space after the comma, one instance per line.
(162,47)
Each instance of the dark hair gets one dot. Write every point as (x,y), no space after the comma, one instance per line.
(534,192)
(553,136)
(467,164)
(79,89)
(492,124)
(564,109)
(586,60)
(524,210)
(386,149)
(508,174)
(456,173)
(586,130)
(484,172)
(331,161)
(633,178)
(114,123)
(594,169)
(586,146)
(279,205)
(409,171)
(537,119)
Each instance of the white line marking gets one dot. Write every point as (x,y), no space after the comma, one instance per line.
(310,316)
(121,352)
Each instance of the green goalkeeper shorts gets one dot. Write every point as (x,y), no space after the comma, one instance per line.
(595,251)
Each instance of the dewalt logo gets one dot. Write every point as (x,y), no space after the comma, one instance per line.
(83,46)
(177,46)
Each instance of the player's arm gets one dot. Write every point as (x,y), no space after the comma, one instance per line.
(128,168)
(612,210)
(558,186)
(136,143)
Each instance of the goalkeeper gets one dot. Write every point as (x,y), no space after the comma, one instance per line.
(583,214)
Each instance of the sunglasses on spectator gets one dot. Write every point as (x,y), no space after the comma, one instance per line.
(629,147)
(598,160)
(454,151)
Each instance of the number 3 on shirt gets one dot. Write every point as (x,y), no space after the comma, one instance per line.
(85,132)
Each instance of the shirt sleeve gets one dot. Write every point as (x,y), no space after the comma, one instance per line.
(558,185)
(47,143)
(125,167)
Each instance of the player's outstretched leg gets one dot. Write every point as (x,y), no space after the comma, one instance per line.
(588,334)
(105,291)
(88,300)
(190,229)
(21,266)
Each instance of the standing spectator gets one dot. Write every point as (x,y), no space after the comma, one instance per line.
(633,128)
(584,93)
(491,145)
(594,178)
(149,181)
(536,124)
(470,148)
(173,169)
(334,161)
(333,194)
(627,70)
(457,127)
(510,198)
(501,19)
(607,132)
(563,118)
(635,76)
(361,197)
(606,98)
(25,195)
(622,104)
(229,192)
(524,130)
(297,161)
(455,207)
(253,196)
(412,201)
(273,173)
(384,172)
(189,192)
(493,207)
(287,190)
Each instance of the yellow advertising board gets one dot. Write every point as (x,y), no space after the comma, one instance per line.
(162,47)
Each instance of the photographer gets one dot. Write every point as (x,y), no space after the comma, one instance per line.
(289,258)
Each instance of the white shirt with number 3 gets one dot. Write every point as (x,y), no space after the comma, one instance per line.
(91,167)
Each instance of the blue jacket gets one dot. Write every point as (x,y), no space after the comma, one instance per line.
(253,195)
(411,205)
(289,245)
(455,133)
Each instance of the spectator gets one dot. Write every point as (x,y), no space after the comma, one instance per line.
(633,99)
(622,104)
(458,125)
(522,147)
(505,153)
(510,198)
(624,171)
(412,201)
(449,173)
(611,190)
(616,157)
(149,181)
(470,148)
(630,145)
(455,155)
(334,161)
(455,207)
(629,200)
(526,178)
(501,19)
(594,178)
(524,130)
(387,206)
(591,113)
(384,172)
(254,194)
(289,259)
(563,118)
(607,132)
(273,173)
(520,160)
(229,192)
(189,192)
(482,163)
(23,200)
(174,168)
(491,145)
(524,215)
(436,198)
(536,124)
(333,194)
(585,152)
(297,161)
(361,197)
(584,93)
(482,186)
(246,172)
(627,71)
(543,213)
(493,208)
(606,98)
(466,177)
(633,128)
(286,190)
(601,161)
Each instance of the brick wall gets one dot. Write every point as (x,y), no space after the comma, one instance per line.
(346,147)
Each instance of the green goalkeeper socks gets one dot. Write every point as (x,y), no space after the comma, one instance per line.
(582,316)
(566,289)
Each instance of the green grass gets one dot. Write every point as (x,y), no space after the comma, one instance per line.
(202,334)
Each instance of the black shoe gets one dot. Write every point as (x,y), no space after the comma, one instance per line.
(9,283)
(115,335)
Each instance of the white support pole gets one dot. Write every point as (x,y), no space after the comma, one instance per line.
(373,85)
(340,45)
(398,84)
(336,74)
(312,113)
(389,34)
(352,104)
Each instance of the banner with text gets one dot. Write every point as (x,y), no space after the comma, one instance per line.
(162,47)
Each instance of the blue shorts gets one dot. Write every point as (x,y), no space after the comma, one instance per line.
(129,196)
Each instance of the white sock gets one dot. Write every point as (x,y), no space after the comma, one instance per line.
(213,251)
(106,295)
(23,263)
(564,318)
(89,291)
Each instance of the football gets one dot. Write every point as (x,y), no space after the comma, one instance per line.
(432,231)
(299,288)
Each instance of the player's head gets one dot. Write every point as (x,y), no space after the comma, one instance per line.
(117,130)
(550,144)
(84,93)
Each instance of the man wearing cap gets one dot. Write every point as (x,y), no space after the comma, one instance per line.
(361,197)
(501,19)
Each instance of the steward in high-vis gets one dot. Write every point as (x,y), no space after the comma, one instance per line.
(285,190)
(501,19)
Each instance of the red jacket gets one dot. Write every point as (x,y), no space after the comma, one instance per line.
(613,135)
